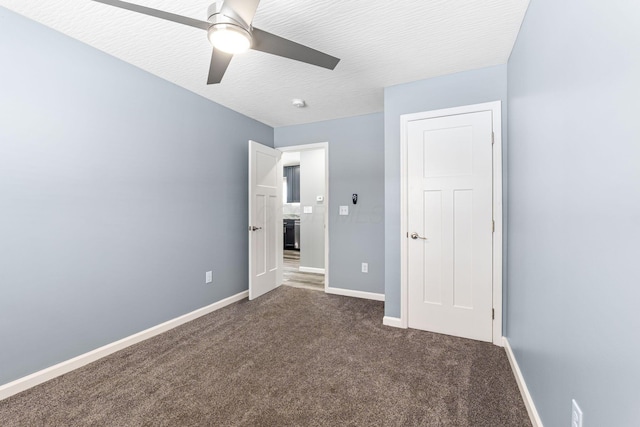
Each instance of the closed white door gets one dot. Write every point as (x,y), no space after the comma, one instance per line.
(265,219)
(450,225)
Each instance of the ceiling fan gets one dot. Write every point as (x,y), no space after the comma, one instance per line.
(230,31)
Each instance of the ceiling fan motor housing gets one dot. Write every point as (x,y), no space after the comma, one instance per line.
(217,17)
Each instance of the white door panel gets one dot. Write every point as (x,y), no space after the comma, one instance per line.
(265,219)
(449,166)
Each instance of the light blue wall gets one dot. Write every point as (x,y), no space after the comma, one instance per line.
(118,191)
(574,209)
(471,87)
(312,184)
(356,165)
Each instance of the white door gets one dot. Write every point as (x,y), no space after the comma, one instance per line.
(265,219)
(450,223)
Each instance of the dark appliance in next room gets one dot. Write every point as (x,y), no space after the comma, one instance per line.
(291,228)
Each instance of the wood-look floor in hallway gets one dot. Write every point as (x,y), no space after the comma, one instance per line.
(297,279)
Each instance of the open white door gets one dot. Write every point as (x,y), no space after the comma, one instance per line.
(265,219)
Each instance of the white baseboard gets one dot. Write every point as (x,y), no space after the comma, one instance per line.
(396,322)
(311,270)
(528,401)
(356,294)
(24,383)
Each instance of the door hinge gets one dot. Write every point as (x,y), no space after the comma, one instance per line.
(407,234)
(493,225)
(493,314)
(493,138)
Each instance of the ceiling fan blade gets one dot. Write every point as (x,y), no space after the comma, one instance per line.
(276,45)
(244,9)
(157,13)
(219,63)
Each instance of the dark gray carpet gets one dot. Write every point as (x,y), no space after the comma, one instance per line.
(294,357)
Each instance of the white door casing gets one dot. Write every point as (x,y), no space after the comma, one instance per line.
(265,219)
(451,281)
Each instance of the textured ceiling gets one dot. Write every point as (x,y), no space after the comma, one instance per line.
(380,44)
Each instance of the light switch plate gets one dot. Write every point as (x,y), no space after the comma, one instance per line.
(307,209)
(344,210)
(209,277)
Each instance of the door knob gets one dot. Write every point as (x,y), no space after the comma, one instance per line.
(254,228)
(415,236)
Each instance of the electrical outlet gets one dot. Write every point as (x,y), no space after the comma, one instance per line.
(344,210)
(365,267)
(209,277)
(576,414)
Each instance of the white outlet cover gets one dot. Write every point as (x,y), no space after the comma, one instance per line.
(344,210)
(576,414)
(209,277)
(308,209)
(365,267)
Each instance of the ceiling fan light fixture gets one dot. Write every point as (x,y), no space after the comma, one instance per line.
(229,38)
(230,31)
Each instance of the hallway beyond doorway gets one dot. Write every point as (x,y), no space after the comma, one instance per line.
(295,278)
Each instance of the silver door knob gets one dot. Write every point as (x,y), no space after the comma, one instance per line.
(415,236)
(254,228)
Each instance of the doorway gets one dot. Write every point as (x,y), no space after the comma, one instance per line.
(451,213)
(305,216)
